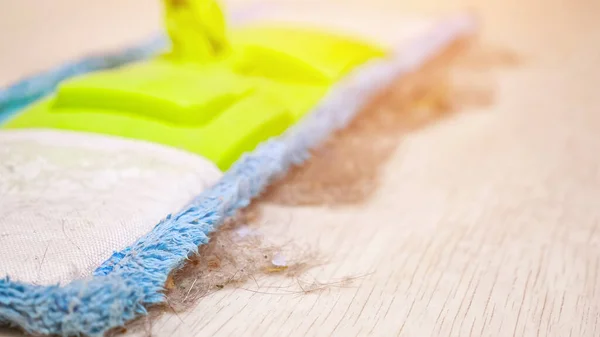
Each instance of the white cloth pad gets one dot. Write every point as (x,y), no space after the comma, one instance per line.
(68,200)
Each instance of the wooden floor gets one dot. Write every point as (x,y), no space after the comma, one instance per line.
(485,224)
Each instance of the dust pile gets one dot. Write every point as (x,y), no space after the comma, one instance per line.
(346,169)
(238,254)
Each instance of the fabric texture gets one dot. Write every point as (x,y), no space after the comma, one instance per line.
(134,278)
(69,199)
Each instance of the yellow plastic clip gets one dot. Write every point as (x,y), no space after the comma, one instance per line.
(216,93)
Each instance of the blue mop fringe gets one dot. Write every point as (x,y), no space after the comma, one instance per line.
(126,284)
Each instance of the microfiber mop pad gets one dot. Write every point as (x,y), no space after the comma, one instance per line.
(252,109)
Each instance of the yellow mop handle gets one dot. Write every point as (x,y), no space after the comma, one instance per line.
(197,29)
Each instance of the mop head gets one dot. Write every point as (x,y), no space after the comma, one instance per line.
(113,178)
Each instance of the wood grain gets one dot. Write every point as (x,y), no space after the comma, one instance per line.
(485,224)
